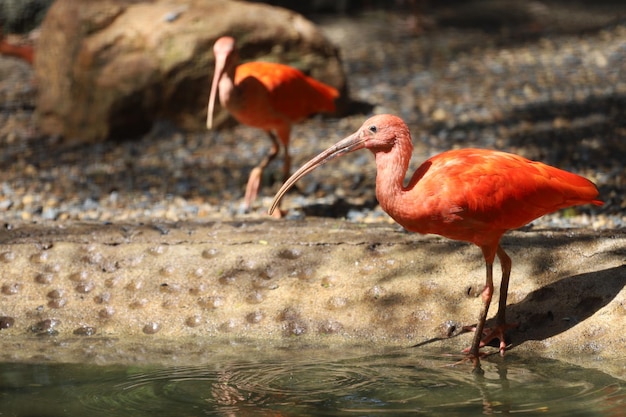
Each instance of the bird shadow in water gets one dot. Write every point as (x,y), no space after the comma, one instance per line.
(561,305)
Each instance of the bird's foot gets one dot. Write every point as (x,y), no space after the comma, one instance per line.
(489,334)
(278,213)
(245,209)
(252,187)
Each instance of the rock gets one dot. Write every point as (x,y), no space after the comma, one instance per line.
(368,286)
(110,69)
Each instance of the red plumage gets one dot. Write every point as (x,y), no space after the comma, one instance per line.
(288,97)
(268,96)
(476,195)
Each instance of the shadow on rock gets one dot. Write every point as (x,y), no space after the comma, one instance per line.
(557,307)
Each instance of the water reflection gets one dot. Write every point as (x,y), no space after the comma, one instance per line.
(310,382)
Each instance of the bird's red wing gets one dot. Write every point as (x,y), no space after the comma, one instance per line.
(291,93)
(508,191)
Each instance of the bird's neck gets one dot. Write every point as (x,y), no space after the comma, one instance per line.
(228,92)
(392,166)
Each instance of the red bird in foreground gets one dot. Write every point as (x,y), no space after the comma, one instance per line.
(269,96)
(473,195)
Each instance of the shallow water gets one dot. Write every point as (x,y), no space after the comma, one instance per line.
(307,382)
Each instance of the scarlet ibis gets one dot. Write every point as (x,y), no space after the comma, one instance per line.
(472,195)
(268,96)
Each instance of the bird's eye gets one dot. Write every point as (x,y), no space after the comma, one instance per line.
(373,128)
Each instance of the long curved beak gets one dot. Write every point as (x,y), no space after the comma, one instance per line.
(351,143)
(220,64)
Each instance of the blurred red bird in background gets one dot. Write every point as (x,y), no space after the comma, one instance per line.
(472,195)
(24,52)
(268,96)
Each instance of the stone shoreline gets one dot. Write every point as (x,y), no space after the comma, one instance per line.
(68,288)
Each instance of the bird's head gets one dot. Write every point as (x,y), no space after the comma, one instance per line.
(379,134)
(225,51)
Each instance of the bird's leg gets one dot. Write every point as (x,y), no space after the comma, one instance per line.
(254,180)
(287,164)
(283,133)
(482,317)
(286,169)
(505,263)
(501,324)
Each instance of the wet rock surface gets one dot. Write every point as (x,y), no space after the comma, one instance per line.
(320,281)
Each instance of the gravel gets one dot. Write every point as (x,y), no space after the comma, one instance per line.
(557,95)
